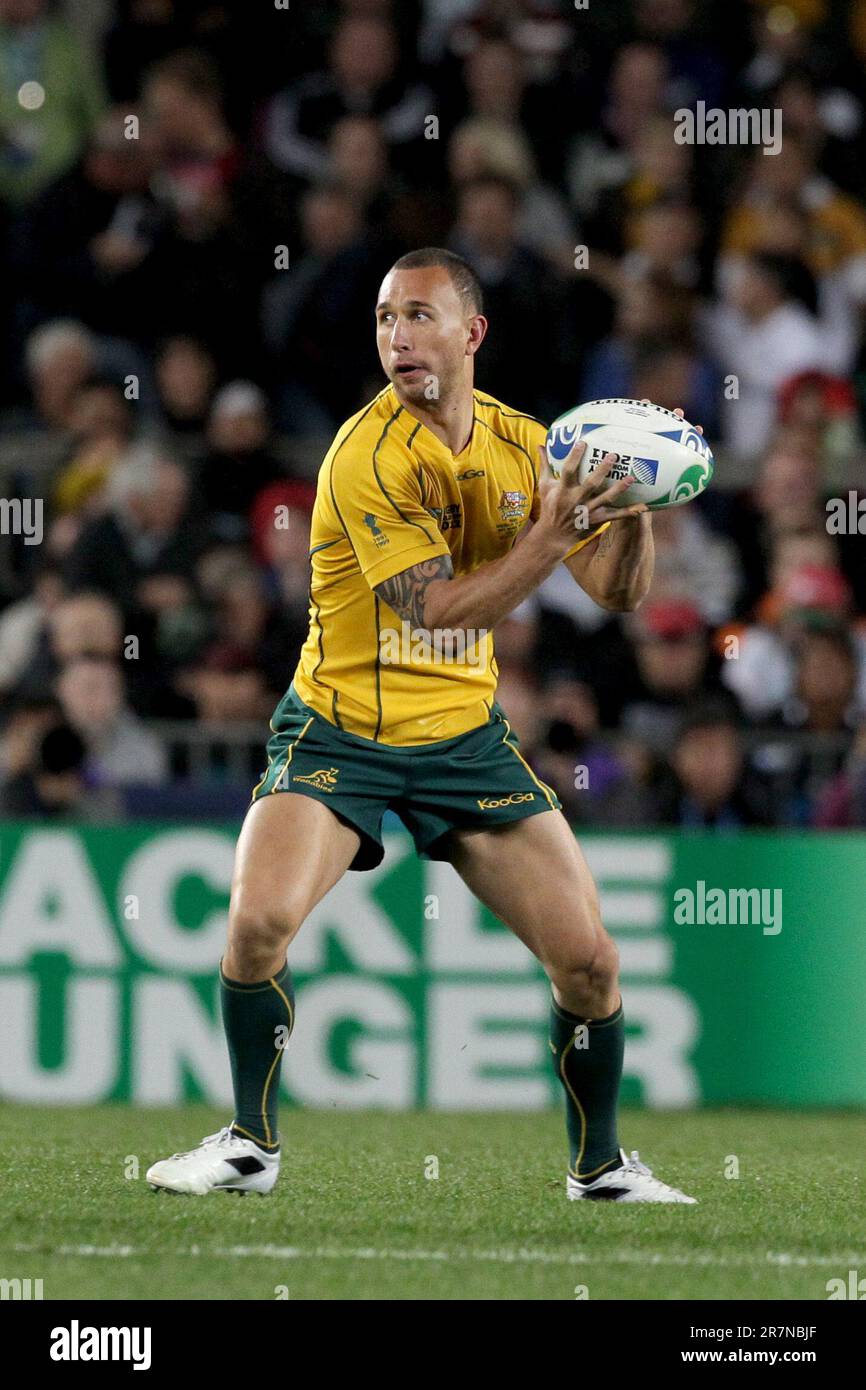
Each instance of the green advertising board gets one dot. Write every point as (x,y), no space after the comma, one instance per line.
(743,962)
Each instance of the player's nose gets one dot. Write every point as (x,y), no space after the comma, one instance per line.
(401,340)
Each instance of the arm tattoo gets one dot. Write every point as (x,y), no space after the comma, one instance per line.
(406,592)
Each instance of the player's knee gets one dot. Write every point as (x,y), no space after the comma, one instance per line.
(605,961)
(588,962)
(259,933)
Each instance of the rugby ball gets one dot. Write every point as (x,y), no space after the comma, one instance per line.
(670,460)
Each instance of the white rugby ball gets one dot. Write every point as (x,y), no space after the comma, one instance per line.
(670,460)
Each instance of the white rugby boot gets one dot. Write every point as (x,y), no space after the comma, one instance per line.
(632,1182)
(223,1162)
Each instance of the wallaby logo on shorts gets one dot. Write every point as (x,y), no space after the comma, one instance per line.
(325,778)
(492,803)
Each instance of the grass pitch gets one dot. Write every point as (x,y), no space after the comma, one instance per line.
(354,1216)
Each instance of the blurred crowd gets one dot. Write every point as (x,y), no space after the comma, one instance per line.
(197,204)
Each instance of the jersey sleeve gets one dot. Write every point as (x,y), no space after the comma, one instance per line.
(380,506)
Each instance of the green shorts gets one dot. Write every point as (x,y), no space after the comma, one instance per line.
(470,782)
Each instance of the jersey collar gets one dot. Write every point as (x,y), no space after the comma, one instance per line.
(411,431)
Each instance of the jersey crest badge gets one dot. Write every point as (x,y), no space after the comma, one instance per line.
(511,505)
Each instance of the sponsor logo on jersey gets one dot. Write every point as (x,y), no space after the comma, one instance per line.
(512,504)
(470,473)
(447,518)
(492,803)
(325,778)
(376,531)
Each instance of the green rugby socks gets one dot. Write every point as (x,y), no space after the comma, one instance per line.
(587,1056)
(258,1021)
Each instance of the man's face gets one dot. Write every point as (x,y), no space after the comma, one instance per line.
(708,762)
(672,665)
(426,335)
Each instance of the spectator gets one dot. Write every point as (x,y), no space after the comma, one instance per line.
(715,788)
(788,208)
(225,210)
(61,356)
(72,626)
(100,423)
(764,675)
(695,69)
(602,159)
(660,174)
(239,463)
(54,785)
(23,624)
(119,750)
(244,669)
(483,146)
(519,695)
(280,521)
(825,677)
(517,286)
(322,299)
(359,162)
(143,550)
(574,757)
(691,562)
(363,78)
(826,668)
(671,373)
(646,311)
(185,380)
(760,335)
(88,240)
(26,723)
(675,668)
(841,802)
(51,96)
(666,241)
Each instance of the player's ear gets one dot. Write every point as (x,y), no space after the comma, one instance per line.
(477,332)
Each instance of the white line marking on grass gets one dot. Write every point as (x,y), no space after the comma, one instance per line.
(704,1258)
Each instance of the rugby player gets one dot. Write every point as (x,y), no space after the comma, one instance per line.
(436,515)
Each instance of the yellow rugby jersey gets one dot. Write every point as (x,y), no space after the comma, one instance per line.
(390,494)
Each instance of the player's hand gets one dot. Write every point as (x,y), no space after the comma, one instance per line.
(678,410)
(572,510)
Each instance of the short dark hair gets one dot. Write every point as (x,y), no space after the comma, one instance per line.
(713,712)
(463,277)
(193,70)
